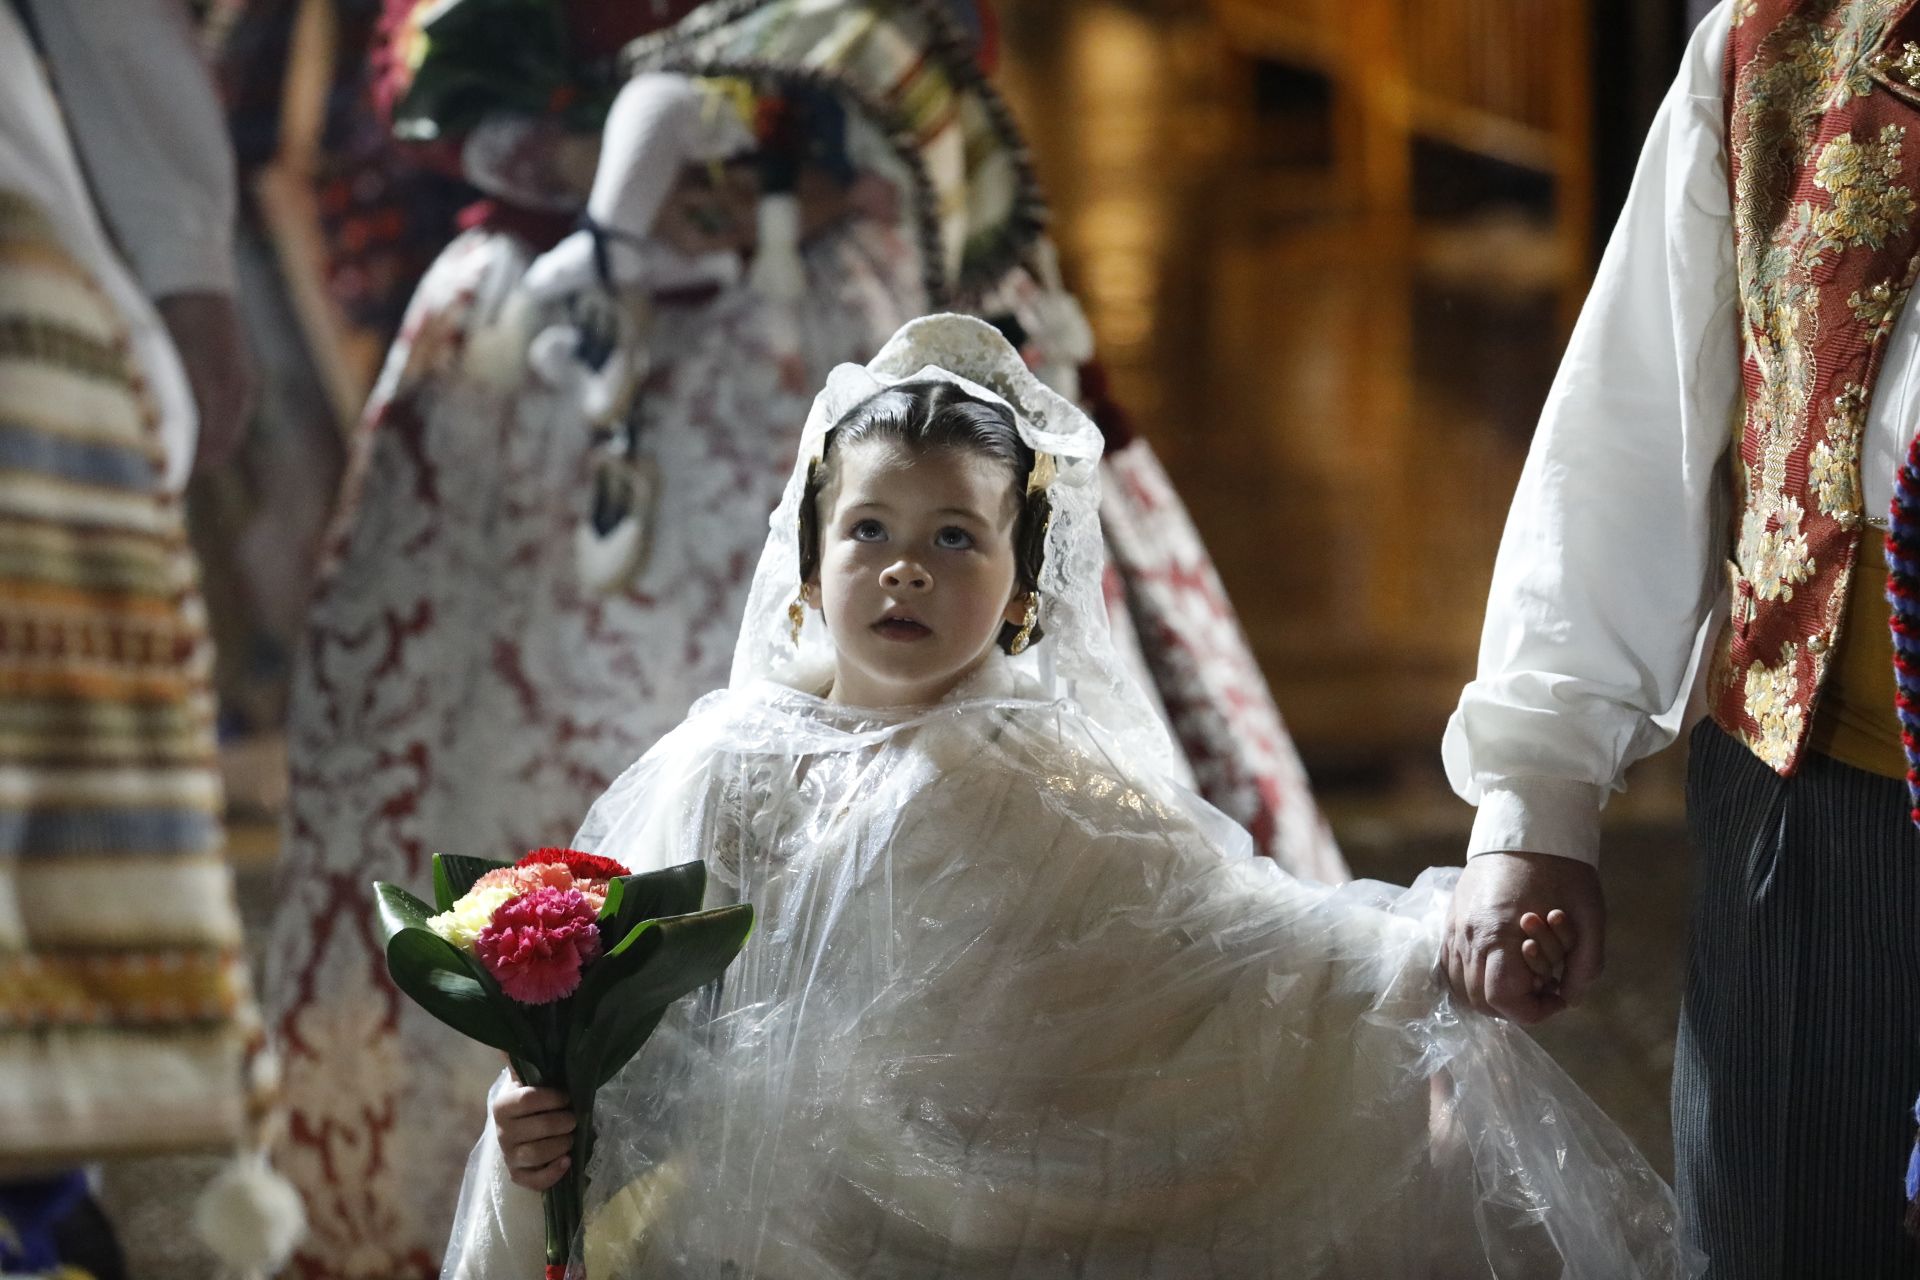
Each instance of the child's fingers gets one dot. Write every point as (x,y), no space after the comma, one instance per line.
(533,1128)
(1562,925)
(542,1178)
(521,1100)
(538,1154)
(1549,943)
(1536,959)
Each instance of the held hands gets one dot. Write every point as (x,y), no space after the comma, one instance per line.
(536,1134)
(1526,934)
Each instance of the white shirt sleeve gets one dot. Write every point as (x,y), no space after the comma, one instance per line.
(141,108)
(1609,573)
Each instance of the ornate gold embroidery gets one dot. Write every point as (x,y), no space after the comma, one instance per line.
(1819,62)
(1867,204)
(1878,308)
(1770,702)
(1905,64)
(1833,468)
(1775,549)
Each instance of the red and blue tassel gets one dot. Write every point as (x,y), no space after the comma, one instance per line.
(1913,1180)
(1903,593)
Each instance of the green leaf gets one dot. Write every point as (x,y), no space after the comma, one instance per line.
(397,909)
(601,1059)
(440,978)
(454,874)
(675,891)
(634,936)
(631,991)
(447,982)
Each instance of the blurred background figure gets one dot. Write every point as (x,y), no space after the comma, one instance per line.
(126,1022)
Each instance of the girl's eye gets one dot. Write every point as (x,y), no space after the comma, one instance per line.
(953,539)
(867,531)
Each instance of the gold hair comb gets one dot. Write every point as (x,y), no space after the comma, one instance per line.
(1045,469)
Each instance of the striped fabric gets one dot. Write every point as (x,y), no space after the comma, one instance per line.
(124,1018)
(1799,1049)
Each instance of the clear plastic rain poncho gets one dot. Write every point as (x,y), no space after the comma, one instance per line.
(1017,1005)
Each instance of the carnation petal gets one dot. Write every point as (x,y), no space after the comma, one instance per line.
(538,943)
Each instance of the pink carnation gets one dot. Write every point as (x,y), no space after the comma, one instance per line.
(538,943)
(528,877)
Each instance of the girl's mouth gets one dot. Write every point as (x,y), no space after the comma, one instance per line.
(904,630)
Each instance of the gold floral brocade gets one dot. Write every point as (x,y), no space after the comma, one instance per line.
(1824,163)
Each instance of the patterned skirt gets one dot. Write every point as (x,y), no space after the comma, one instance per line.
(125,1021)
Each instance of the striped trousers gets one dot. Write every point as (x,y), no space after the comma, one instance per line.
(1799,1048)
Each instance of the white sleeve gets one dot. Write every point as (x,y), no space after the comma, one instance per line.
(144,117)
(499,1231)
(1608,574)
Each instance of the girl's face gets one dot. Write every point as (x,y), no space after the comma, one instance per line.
(916,570)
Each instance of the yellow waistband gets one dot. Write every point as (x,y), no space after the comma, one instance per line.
(1854,721)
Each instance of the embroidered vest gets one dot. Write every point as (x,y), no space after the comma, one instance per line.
(1823,146)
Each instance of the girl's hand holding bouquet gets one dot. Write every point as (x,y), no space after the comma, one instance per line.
(566,962)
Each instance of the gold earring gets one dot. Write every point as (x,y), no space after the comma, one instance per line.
(796,618)
(1024,636)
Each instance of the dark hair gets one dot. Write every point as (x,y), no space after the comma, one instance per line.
(924,416)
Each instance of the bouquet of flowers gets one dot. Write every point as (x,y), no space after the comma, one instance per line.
(564,961)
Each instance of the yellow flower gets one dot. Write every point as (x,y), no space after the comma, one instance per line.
(1769,697)
(1840,164)
(469,916)
(1833,472)
(1773,549)
(1890,138)
(1877,306)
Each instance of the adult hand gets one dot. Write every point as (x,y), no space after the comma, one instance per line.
(205,328)
(1502,900)
(536,1134)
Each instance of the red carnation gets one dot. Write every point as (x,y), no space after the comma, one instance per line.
(585,866)
(538,943)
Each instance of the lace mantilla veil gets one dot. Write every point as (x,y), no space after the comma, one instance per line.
(1077,658)
(1019,1007)
(1075,661)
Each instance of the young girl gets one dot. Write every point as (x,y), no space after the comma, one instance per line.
(1017,1005)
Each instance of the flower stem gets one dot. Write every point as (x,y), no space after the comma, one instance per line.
(561,1205)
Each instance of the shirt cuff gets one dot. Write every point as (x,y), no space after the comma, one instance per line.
(1538,815)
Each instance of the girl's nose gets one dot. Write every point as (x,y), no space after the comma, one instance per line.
(905,575)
